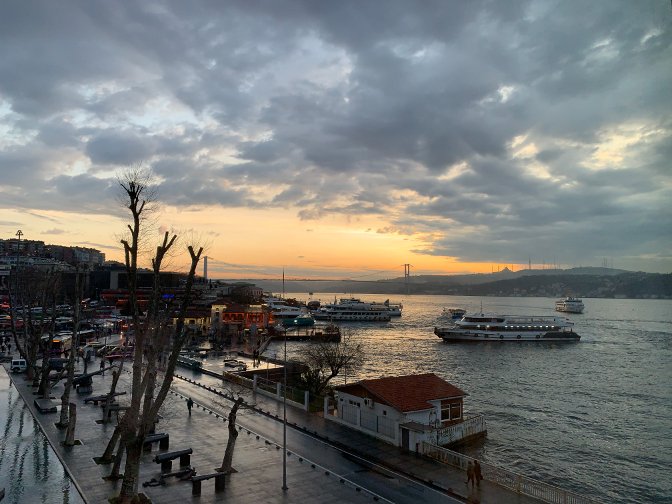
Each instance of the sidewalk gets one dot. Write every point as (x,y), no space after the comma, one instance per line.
(259,462)
(448,478)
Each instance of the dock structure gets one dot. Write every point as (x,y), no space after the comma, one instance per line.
(329,334)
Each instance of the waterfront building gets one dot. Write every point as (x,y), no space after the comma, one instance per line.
(407,410)
(223,311)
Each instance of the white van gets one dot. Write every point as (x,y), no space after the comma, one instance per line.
(18,365)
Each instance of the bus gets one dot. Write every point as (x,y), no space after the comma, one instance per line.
(61,343)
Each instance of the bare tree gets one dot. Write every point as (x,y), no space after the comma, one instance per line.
(80,276)
(234,394)
(325,361)
(153,335)
(35,286)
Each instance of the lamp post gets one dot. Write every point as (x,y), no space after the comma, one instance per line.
(284,419)
(19,233)
(284,422)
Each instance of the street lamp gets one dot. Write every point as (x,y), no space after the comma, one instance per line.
(284,418)
(19,233)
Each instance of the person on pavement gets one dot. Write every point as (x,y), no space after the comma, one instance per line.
(470,474)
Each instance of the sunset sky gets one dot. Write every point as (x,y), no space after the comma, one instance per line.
(341,139)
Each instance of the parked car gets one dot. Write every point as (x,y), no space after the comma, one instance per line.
(18,365)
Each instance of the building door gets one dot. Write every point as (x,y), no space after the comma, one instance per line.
(404,438)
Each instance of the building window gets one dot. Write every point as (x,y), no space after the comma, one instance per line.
(455,411)
(384,412)
(445,411)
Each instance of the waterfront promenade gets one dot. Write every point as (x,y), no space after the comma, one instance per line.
(378,470)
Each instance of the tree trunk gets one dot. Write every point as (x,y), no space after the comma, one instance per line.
(110,396)
(117,462)
(44,374)
(129,487)
(233,435)
(109,451)
(72,421)
(65,402)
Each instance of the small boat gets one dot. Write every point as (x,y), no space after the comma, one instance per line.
(454,313)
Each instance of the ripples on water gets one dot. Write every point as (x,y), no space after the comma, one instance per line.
(594,417)
(30,472)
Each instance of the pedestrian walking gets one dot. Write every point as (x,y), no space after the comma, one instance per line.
(477,473)
(470,475)
(190,404)
(102,365)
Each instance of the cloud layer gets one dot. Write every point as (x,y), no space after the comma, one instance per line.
(487,131)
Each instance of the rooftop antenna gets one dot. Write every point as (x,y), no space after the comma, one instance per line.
(529,261)
(283,283)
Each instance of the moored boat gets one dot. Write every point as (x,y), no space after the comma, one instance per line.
(353,310)
(482,327)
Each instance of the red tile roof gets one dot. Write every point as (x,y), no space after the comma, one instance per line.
(411,393)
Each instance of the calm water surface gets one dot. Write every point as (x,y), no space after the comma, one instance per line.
(594,417)
(30,472)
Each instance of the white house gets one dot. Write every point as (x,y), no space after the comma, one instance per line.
(407,410)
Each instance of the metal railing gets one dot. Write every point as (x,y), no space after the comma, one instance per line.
(508,479)
(461,430)
(293,394)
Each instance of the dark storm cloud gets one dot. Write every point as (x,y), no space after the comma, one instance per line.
(415,112)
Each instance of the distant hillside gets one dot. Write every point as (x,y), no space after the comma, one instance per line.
(586,282)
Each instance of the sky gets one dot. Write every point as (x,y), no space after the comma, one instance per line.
(346,139)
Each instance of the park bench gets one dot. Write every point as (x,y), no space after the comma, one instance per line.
(166,459)
(163,440)
(220,482)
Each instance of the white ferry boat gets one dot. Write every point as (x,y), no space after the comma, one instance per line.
(570,305)
(354,310)
(482,327)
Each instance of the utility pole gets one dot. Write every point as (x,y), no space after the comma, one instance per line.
(19,233)
(284,412)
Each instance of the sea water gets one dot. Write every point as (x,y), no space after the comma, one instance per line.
(593,417)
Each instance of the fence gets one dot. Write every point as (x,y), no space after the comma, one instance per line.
(466,429)
(293,394)
(508,479)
